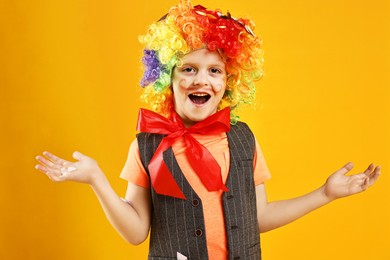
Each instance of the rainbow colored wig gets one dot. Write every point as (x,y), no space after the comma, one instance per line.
(186,28)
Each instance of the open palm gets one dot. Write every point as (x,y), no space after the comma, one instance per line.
(341,185)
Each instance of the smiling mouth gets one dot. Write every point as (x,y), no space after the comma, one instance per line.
(199,98)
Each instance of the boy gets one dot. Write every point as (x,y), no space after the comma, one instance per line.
(196,176)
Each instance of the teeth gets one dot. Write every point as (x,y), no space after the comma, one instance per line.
(199,94)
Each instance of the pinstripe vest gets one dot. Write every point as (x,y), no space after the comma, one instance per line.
(178,225)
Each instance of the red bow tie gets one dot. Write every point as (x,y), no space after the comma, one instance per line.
(200,159)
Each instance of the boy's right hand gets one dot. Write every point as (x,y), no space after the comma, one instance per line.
(84,170)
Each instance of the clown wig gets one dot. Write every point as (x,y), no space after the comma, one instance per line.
(186,28)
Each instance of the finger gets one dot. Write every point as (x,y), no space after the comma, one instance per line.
(369,169)
(79,156)
(54,158)
(56,177)
(359,177)
(46,162)
(374,175)
(377,170)
(41,168)
(345,169)
(366,183)
(47,169)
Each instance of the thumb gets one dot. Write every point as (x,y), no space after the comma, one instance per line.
(79,156)
(345,169)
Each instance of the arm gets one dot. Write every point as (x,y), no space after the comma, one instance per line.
(272,215)
(131,221)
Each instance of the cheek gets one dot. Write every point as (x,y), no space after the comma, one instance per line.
(219,86)
(183,84)
(180,87)
(180,90)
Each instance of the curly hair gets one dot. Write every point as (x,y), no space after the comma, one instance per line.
(186,28)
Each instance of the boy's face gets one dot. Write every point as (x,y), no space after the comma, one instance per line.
(198,85)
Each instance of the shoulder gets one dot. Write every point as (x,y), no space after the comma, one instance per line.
(143,137)
(148,143)
(240,124)
(241,128)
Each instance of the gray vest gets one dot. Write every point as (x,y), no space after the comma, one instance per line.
(178,225)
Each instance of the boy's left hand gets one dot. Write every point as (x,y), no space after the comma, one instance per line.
(339,185)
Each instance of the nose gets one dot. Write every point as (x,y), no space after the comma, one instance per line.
(201,79)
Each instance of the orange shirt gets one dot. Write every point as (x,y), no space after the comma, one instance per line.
(218,146)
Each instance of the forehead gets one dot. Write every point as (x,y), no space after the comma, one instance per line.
(203,56)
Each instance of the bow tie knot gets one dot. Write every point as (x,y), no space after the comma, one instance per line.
(198,156)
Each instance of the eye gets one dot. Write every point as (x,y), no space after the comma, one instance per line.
(215,70)
(187,69)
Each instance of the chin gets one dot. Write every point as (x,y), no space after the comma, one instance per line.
(199,118)
(196,115)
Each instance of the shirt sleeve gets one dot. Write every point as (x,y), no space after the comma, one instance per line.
(134,171)
(261,172)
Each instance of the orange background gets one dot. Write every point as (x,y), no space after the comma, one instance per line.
(69,73)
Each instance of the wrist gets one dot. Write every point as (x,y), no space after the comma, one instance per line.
(98,179)
(325,196)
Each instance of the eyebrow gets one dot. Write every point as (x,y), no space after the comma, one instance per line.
(222,64)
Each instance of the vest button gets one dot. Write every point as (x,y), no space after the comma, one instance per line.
(195,202)
(234,227)
(229,197)
(198,232)
(237,258)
